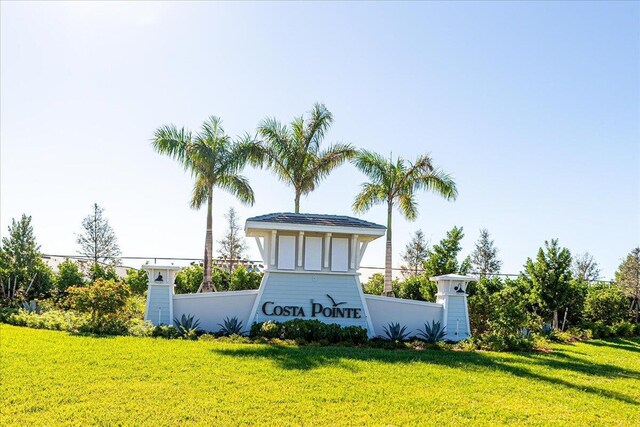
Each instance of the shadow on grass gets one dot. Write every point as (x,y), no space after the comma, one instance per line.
(618,344)
(306,358)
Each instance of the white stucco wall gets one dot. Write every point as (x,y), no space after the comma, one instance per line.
(213,307)
(409,313)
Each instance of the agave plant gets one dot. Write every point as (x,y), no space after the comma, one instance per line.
(231,326)
(432,333)
(395,332)
(31,306)
(187,326)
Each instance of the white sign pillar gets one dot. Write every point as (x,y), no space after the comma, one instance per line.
(453,296)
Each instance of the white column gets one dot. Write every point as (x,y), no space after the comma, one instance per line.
(327,243)
(354,250)
(274,233)
(300,247)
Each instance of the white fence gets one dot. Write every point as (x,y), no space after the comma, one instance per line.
(409,313)
(213,307)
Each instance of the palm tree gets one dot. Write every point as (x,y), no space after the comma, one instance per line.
(214,160)
(293,153)
(396,184)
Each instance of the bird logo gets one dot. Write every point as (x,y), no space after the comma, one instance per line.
(335,304)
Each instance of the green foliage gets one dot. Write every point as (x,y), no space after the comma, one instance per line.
(414,255)
(97,240)
(68,275)
(549,278)
(484,259)
(628,279)
(138,280)
(165,331)
(189,279)
(97,271)
(417,288)
(231,326)
(443,257)
(243,279)
(480,302)
(309,331)
(188,327)
(396,332)
(605,303)
(102,299)
(23,273)
(432,333)
(294,154)
(375,285)
(599,383)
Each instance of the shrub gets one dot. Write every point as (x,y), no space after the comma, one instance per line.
(103,298)
(375,285)
(165,331)
(310,331)
(395,332)
(188,279)
(138,280)
(56,320)
(605,303)
(68,275)
(432,333)
(231,327)
(623,329)
(243,279)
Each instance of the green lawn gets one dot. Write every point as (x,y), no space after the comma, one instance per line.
(52,378)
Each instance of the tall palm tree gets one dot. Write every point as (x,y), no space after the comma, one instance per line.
(214,160)
(293,152)
(396,184)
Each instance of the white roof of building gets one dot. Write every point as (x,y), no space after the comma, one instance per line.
(452,276)
(313,223)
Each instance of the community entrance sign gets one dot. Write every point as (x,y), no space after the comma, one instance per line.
(311,272)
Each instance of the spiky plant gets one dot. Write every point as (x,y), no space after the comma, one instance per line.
(231,326)
(432,333)
(395,332)
(31,306)
(187,326)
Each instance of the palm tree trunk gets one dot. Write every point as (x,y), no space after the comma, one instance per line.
(388,289)
(297,202)
(207,284)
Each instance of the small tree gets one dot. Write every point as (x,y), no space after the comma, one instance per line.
(138,280)
(484,258)
(69,274)
(628,278)
(605,303)
(22,270)
(188,279)
(414,255)
(97,239)
(585,267)
(549,278)
(244,279)
(443,257)
(232,245)
(104,298)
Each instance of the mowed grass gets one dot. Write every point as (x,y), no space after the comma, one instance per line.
(53,378)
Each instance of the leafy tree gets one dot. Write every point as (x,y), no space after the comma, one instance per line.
(214,160)
(481,304)
(23,273)
(232,245)
(69,274)
(549,278)
(585,267)
(396,184)
(188,279)
(414,255)
(605,303)
(443,257)
(628,278)
(484,258)
(97,239)
(138,280)
(375,284)
(293,152)
(108,272)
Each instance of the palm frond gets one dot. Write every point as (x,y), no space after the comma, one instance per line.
(408,206)
(200,193)
(373,165)
(238,186)
(370,195)
(173,142)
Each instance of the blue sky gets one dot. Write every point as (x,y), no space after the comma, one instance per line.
(533,107)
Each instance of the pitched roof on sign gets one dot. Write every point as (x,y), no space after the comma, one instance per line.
(315,219)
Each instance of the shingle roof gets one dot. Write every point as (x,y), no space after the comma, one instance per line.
(315,219)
